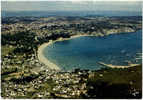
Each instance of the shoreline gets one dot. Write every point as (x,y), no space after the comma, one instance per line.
(43,59)
(51,65)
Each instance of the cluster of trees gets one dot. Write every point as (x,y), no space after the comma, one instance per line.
(27,41)
(24,41)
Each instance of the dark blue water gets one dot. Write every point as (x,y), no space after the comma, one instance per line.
(87,52)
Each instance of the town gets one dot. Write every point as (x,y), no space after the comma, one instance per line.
(23,76)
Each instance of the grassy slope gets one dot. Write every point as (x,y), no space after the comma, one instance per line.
(5,50)
(116,83)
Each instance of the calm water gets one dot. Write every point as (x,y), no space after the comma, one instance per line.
(86,52)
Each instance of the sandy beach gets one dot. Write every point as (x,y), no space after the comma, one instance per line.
(118,66)
(43,59)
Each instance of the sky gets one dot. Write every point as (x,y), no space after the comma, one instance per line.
(72,5)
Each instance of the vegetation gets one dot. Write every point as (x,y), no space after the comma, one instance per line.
(6,50)
(116,83)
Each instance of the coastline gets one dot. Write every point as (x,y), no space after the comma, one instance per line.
(51,65)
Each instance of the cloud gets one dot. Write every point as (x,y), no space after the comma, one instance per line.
(72,5)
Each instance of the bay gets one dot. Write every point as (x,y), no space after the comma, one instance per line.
(86,52)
